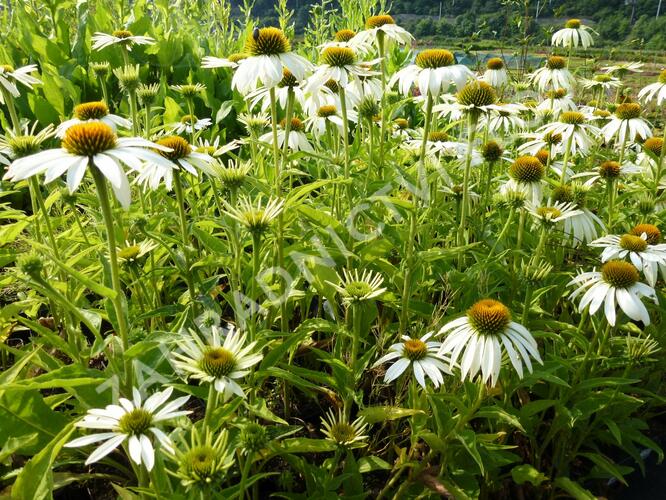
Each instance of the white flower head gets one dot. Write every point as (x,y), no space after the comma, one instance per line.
(269,53)
(484,333)
(132,421)
(422,355)
(217,362)
(553,75)
(91,144)
(381,29)
(9,77)
(356,287)
(626,124)
(617,284)
(434,71)
(573,34)
(655,90)
(93,111)
(124,38)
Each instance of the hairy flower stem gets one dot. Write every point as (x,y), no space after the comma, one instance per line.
(276,147)
(565,160)
(502,234)
(180,199)
(47,220)
(9,100)
(211,404)
(345,142)
(382,133)
(134,111)
(472,119)
(610,193)
(519,237)
(119,299)
(105,91)
(408,269)
(256,263)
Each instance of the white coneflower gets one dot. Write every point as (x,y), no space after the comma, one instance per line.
(176,154)
(646,257)
(231,61)
(655,90)
(9,77)
(434,71)
(131,421)
(496,74)
(439,143)
(131,251)
(382,26)
(551,213)
(287,85)
(234,174)
(573,34)
(269,54)
(338,429)
(557,101)
(422,355)
(539,141)
(622,69)
(355,287)
(256,217)
(602,82)
(608,171)
(481,334)
(189,124)
(617,284)
(217,362)
(213,148)
(504,118)
(575,129)
(553,75)
(119,37)
(346,38)
(626,124)
(90,144)
(584,226)
(93,111)
(341,65)
(26,143)
(526,175)
(202,459)
(254,123)
(298,141)
(327,116)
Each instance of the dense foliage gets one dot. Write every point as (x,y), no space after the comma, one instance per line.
(243,261)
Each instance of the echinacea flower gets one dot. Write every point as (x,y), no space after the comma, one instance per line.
(585,225)
(626,124)
(9,77)
(481,334)
(338,429)
(95,145)
(381,27)
(553,75)
(341,65)
(176,154)
(25,143)
(575,129)
(422,355)
(132,422)
(552,212)
(256,217)
(189,124)
(609,171)
(623,68)
(573,34)
(288,85)
(655,90)
(211,62)
(617,284)
(504,118)
(132,251)
(355,287)
(298,141)
(495,74)
(556,101)
(269,54)
(123,38)
(646,257)
(434,71)
(93,111)
(526,174)
(202,459)
(217,362)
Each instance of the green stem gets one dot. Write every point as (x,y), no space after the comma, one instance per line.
(9,100)
(47,220)
(211,404)
(118,300)
(408,269)
(503,232)
(178,187)
(345,141)
(276,146)
(610,190)
(565,160)
(382,132)
(471,132)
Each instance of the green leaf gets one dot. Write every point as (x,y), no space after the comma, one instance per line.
(63,378)
(306,445)
(574,489)
(468,440)
(260,409)
(15,445)
(35,481)
(606,465)
(526,473)
(374,414)
(372,463)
